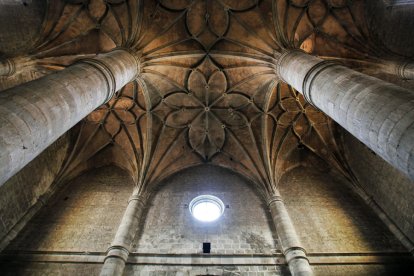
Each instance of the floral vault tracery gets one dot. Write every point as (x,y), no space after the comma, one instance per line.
(208,89)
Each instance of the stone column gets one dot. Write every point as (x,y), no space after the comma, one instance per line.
(379,114)
(404,70)
(117,254)
(7,67)
(17,65)
(293,250)
(33,115)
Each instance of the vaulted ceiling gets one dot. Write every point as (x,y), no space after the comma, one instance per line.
(208,90)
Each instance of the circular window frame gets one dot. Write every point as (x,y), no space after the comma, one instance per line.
(209,199)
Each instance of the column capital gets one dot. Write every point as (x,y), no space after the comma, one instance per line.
(281,57)
(117,251)
(279,63)
(136,54)
(106,72)
(295,252)
(273,199)
(139,198)
(401,70)
(7,67)
(310,76)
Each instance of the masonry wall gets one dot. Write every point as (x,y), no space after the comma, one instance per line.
(79,223)
(388,187)
(341,234)
(391,26)
(226,270)
(20,25)
(330,218)
(71,234)
(243,234)
(20,194)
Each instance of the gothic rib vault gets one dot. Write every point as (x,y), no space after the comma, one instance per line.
(208,89)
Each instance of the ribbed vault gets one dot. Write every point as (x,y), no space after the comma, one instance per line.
(208,90)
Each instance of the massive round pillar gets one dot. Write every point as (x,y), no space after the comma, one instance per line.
(402,69)
(33,115)
(379,114)
(294,253)
(7,67)
(12,66)
(405,70)
(118,253)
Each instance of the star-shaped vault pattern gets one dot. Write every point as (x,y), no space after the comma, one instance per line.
(208,90)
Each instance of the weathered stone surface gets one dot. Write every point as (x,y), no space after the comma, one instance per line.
(244,228)
(84,216)
(41,269)
(34,115)
(329,217)
(24,191)
(376,112)
(207,92)
(120,248)
(362,270)
(292,248)
(392,25)
(387,186)
(210,270)
(20,25)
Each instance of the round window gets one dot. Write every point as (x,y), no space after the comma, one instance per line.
(206,208)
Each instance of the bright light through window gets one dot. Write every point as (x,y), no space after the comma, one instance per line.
(206,208)
(206,211)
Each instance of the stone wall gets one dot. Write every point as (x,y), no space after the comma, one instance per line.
(22,192)
(361,270)
(48,268)
(388,187)
(230,270)
(71,234)
(169,228)
(20,24)
(391,25)
(82,219)
(340,233)
(330,218)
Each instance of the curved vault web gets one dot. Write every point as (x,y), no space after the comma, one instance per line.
(208,90)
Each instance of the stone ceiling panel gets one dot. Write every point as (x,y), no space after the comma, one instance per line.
(208,89)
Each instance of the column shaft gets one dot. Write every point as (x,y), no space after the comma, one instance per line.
(118,253)
(33,115)
(379,114)
(294,253)
(7,67)
(405,70)
(401,69)
(17,65)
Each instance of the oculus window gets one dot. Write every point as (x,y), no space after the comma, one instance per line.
(206,208)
